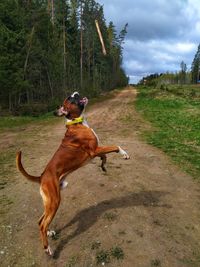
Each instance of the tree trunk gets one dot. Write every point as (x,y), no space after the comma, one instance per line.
(28,52)
(64,55)
(27,96)
(81,40)
(10,102)
(89,64)
(52,11)
(50,84)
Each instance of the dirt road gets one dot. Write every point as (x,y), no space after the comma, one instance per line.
(146,207)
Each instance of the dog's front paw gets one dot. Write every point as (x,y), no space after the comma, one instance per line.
(48,251)
(126,156)
(63,184)
(123,153)
(51,233)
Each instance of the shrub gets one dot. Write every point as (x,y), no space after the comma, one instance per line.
(34,109)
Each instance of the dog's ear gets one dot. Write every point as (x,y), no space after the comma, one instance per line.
(76,96)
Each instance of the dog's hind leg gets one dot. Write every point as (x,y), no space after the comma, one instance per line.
(50,233)
(41,218)
(103,162)
(51,199)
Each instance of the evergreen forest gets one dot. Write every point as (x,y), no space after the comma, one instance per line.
(49,48)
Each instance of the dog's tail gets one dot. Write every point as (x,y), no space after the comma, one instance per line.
(22,170)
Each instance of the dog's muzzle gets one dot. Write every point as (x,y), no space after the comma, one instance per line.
(60,112)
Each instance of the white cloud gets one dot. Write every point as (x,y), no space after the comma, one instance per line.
(183,48)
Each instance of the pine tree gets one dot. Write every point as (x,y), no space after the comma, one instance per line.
(196,66)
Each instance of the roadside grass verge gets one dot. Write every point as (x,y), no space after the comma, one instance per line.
(175,114)
(10,122)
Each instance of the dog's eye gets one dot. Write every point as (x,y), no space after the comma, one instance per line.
(72,100)
(76,96)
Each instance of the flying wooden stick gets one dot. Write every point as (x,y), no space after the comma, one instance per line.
(100,37)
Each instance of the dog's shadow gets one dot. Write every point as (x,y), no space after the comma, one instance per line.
(89,216)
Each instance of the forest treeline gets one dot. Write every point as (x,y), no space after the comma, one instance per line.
(49,48)
(183,76)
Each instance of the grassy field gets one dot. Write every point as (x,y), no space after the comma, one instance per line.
(10,122)
(174,111)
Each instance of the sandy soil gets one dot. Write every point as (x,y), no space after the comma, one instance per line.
(146,206)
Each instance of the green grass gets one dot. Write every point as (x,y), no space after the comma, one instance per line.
(110,216)
(175,115)
(193,261)
(103,257)
(18,121)
(117,252)
(10,122)
(95,245)
(5,203)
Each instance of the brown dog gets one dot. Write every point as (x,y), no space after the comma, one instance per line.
(79,145)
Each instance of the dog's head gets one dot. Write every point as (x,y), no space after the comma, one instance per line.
(72,107)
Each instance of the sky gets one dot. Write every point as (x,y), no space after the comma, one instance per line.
(161,33)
